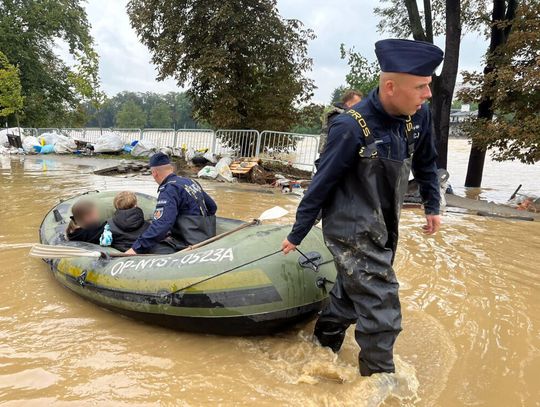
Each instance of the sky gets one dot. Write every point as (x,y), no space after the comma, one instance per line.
(125,64)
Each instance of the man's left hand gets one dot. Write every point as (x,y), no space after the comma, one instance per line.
(130,252)
(433,224)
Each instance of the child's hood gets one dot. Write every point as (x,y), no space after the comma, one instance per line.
(129,219)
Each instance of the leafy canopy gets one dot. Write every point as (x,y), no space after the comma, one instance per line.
(11,99)
(514,88)
(130,115)
(244,63)
(29,31)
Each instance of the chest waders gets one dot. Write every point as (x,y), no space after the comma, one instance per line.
(192,229)
(360,226)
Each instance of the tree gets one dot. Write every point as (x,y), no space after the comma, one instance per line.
(11,99)
(160,116)
(508,87)
(29,32)
(501,25)
(403,18)
(85,79)
(363,75)
(245,64)
(309,119)
(131,115)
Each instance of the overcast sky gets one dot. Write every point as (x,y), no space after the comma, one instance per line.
(125,62)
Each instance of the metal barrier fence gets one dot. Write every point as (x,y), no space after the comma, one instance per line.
(237,143)
(88,134)
(128,135)
(299,150)
(198,139)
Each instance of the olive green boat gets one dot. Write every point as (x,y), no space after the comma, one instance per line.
(249,287)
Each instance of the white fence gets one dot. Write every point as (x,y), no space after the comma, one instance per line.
(299,150)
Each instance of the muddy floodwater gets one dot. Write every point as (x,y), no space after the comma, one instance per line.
(470,296)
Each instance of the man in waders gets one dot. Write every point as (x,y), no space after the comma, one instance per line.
(360,184)
(184,214)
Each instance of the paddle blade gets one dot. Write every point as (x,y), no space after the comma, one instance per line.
(273,213)
(43,251)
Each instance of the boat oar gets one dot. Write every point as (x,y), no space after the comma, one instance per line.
(43,251)
(270,214)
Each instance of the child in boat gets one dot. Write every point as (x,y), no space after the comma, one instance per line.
(85,225)
(128,222)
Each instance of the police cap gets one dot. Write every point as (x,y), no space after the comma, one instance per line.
(159,159)
(407,56)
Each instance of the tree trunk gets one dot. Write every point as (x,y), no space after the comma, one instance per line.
(444,84)
(415,21)
(477,157)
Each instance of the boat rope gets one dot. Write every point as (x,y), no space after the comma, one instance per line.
(220,274)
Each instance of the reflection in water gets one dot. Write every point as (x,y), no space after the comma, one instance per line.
(471,319)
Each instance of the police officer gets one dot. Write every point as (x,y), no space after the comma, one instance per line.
(184,214)
(360,184)
(349,99)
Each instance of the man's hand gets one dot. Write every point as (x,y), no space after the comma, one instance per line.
(287,247)
(433,224)
(130,252)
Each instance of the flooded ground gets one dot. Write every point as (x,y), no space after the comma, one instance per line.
(471,299)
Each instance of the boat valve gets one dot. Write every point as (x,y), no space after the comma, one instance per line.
(311,260)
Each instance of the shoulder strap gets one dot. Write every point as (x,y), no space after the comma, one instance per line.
(195,191)
(410,135)
(370,149)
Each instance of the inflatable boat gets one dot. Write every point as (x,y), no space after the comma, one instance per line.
(238,285)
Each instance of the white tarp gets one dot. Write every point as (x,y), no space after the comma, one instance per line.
(208,172)
(224,172)
(64,145)
(109,142)
(28,144)
(144,148)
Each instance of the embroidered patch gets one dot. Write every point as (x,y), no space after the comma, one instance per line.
(162,202)
(158,213)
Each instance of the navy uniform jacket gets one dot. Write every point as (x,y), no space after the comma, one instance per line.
(341,154)
(173,201)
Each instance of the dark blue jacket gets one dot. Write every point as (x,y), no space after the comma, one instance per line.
(341,154)
(173,201)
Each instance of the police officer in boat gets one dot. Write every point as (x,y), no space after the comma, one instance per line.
(184,214)
(360,184)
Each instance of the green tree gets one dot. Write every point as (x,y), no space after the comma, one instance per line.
(86,81)
(338,93)
(363,75)
(160,116)
(309,119)
(450,18)
(508,87)
(130,115)
(245,64)
(29,32)
(11,99)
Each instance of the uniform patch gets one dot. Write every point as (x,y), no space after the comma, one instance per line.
(162,202)
(158,213)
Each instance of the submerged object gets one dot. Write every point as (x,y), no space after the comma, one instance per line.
(239,285)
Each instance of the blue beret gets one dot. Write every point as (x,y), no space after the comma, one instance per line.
(406,56)
(159,159)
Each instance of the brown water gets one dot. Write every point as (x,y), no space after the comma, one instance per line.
(471,304)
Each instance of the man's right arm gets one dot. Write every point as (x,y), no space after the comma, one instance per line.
(164,218)
(340,154)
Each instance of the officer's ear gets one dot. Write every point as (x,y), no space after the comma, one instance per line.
(387,83)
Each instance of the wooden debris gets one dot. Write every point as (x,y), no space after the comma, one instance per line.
(243,166)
